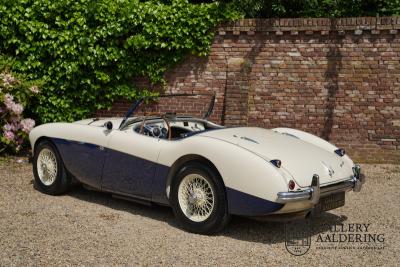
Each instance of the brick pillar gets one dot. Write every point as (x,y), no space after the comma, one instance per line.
(236,93)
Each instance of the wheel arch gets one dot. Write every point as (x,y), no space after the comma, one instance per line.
(182,161)
(66,179)
(48,139)
(39,140)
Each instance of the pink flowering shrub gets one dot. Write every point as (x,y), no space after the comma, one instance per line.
(14,128)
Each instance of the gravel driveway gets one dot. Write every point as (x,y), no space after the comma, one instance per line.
(89,228)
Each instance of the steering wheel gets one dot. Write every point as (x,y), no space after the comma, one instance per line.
(151,130)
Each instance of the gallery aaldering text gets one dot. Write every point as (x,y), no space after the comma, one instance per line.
(350,233)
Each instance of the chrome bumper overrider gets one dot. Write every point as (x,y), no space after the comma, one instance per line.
(314,192)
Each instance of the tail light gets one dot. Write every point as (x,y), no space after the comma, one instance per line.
(292,184)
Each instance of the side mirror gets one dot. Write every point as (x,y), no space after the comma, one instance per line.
(108,125)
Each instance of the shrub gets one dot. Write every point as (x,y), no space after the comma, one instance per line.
(15,93)
(87,52)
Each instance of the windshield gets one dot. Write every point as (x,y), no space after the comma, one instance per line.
(183,105)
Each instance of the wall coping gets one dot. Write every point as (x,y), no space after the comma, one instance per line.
(312,24)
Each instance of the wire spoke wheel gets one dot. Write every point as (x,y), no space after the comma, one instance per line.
(196,197)
(47,166)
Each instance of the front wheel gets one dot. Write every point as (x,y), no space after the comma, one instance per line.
(198,199)
(48,169)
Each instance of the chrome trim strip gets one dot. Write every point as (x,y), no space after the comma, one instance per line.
(343,186)
(294,196)
(315,189)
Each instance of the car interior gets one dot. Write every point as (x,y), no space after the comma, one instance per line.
(171,127)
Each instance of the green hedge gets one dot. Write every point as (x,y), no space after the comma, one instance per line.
(316,8)
(87,52)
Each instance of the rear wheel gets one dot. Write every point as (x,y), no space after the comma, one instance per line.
(198,199)
(48,169)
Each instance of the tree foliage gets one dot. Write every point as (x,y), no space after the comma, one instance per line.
(87,52)
(316,8)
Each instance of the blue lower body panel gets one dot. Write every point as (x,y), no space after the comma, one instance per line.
(83,160)
(135,176)
(240,203)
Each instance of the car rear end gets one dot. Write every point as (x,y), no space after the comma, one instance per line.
(319,198)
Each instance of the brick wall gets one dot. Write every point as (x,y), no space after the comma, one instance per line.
(336,78)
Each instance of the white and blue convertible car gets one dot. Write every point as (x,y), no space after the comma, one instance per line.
(204,171)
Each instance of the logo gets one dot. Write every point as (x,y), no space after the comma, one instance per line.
(298,237)
(330,170)
(333,235)
(350,236)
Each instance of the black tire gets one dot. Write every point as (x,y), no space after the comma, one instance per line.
(219,216)
(61,182)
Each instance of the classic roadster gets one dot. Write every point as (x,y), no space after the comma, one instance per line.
(204,171)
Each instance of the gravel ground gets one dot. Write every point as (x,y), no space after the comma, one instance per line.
(88,228)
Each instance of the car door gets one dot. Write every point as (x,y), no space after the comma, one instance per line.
(130,163)
(84,159)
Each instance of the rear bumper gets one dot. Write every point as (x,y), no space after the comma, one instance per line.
(315,192)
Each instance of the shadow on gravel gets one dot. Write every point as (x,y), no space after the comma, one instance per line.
(155,212)
(266,232)
(240,228)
